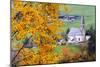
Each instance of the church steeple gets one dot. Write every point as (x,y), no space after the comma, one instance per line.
(82,26)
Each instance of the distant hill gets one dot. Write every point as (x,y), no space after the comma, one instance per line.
(79,10)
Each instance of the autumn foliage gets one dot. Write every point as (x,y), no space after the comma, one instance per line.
(40,21)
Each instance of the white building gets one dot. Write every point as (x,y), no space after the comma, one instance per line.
(77,35)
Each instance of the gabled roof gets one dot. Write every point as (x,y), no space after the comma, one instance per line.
(74,32)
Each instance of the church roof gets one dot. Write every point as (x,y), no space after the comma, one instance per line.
(75,31)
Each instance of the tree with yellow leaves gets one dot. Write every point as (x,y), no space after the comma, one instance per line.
(40,21)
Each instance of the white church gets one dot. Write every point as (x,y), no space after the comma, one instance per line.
(77,35)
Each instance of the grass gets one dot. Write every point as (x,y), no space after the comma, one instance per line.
(69,25)
(73,48)
(87,11)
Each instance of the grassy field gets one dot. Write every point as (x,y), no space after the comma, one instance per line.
(73,48)
(87,11)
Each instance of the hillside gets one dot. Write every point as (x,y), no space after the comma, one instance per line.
(87,11)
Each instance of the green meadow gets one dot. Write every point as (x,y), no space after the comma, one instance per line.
(87,11)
